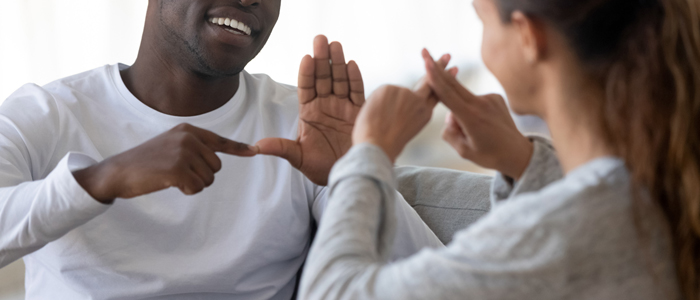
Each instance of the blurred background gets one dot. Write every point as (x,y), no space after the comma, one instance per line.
(44,40)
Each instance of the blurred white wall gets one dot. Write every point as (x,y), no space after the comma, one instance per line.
(44,40)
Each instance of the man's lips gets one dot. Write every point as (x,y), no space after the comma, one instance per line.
(232,25)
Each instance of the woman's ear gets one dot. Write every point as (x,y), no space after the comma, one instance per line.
(533,38)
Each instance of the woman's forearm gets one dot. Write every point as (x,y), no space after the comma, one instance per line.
(357,230)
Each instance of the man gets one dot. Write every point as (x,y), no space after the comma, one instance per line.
(71,152)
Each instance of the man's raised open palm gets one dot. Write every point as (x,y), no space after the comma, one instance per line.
(331,94)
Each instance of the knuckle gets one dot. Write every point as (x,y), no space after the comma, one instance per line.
(183,154)
(217,164)
(185,139)
(185,189)
(209,180)
(389,88)
(194,187)
(198,188)
(180,165)
(182,127)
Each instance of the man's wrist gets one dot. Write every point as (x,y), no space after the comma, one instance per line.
(95,181)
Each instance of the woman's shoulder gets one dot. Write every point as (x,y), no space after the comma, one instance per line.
(598,188)
(584,226)
(575,209)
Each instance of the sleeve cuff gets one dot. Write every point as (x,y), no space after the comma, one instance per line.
(366,160)
(543,169)
(76,199)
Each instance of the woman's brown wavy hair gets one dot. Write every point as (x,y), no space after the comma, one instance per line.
(646,56)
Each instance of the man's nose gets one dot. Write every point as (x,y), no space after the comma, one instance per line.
(250,2)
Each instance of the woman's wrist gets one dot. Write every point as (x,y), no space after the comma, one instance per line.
(386,147)
(519,160)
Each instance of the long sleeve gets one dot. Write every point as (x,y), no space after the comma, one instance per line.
(447,200)
(348,260)
(412,235)
(356,233)
(543,169)
(35,211)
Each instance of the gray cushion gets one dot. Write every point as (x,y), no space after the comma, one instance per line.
(446,200)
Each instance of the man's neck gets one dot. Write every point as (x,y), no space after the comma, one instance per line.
(167,87)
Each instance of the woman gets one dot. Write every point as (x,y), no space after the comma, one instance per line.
(617,83)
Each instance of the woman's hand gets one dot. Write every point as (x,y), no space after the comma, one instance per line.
(391,117)
(480,128)
(394,115)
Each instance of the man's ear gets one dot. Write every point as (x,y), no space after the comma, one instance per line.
(533,38)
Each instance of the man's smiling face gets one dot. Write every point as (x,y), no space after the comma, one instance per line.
(216,37)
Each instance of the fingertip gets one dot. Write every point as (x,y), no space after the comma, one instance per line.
(454,71)
(354,65)
(306,60)
(321,47)
(255,149)
(321,39)
(307,65)
(445,58)
(426,54)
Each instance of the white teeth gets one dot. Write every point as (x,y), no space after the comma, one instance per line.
(232,24)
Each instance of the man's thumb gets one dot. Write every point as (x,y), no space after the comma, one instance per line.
(284,148)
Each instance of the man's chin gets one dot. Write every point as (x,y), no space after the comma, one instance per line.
(221,69)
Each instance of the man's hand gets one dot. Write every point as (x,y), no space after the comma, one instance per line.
(183,157)
(331,94)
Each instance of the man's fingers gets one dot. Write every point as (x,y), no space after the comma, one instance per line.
(203,170)
(209,157)
(190,183)
(220,144)
(307,80)
(324,81)
(235,148)
(224,145)
(357,85)
(341,87)
(284,148)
